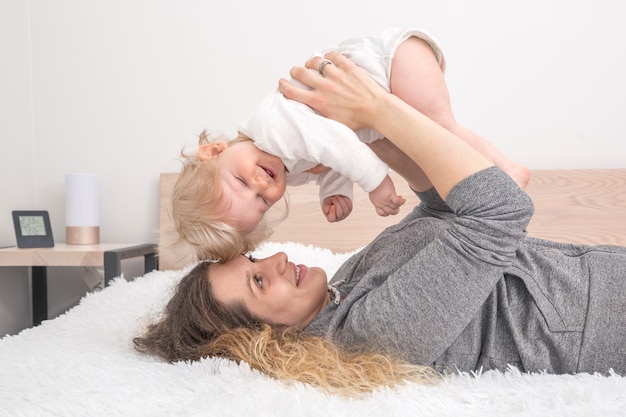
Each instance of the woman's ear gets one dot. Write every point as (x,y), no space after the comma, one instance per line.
(211,150)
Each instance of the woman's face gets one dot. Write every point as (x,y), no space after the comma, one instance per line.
(273,289)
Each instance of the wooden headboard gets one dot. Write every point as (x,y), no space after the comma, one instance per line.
(580,206)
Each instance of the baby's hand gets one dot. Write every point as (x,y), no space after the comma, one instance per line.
(385,199)
(336,207)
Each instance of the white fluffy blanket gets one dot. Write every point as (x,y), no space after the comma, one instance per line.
(83,364)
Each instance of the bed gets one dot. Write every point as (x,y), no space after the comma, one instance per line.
(83,363)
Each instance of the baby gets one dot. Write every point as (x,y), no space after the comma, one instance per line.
(224,191)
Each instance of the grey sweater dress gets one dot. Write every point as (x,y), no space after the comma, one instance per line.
(459,286)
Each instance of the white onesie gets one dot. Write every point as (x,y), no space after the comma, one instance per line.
(303,138)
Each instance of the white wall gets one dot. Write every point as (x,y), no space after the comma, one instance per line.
(117,87)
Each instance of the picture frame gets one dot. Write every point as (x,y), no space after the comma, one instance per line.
(32,229)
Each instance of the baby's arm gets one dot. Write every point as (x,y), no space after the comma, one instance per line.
(335,192)
(300,137)
(385,199)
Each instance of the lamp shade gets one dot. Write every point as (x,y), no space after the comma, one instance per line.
(82,209)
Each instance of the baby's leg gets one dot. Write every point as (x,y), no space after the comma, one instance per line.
(416,78)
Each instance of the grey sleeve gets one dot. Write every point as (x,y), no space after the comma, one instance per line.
(433,295)
(432,205)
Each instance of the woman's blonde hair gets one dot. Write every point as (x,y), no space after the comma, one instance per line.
(199,230)
(195,325)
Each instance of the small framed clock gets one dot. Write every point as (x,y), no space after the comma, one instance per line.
(32,229)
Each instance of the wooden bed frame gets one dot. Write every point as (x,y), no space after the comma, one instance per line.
(580,206)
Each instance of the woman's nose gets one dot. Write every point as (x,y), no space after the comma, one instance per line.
(280,261)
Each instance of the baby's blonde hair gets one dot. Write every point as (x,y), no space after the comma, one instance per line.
(199,229)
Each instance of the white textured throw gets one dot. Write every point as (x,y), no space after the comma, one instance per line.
(83,364)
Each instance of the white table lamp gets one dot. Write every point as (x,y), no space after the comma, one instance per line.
(82,211)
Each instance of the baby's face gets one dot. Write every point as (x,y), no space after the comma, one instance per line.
(252,181)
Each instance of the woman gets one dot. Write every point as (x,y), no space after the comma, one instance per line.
(456,285)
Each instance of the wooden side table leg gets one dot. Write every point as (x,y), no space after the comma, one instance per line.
(39,294)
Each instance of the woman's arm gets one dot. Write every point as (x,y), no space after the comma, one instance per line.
(402,164)
(347,94)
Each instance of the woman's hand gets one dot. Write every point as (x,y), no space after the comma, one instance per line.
(344,93)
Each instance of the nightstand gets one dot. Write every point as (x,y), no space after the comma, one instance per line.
(107,255)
